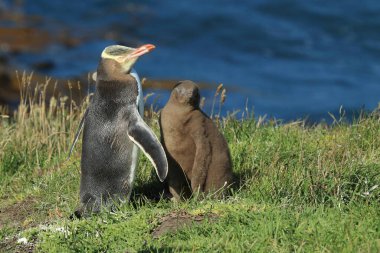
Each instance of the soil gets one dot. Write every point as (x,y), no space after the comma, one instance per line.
(177,220)
(11,245)
(15,216)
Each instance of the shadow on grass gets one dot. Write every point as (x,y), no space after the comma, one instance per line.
(243,176)
(152,192)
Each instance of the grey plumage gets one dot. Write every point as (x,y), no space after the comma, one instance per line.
(112,127)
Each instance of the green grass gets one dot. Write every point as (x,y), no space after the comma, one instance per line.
(301,189)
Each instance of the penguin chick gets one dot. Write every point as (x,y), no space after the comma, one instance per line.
(197,153)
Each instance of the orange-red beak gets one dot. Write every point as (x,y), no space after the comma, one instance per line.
(142,50)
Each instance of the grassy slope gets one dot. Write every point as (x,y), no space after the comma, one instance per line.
(301,189)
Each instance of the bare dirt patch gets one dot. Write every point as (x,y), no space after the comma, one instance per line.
(15,215)
(11,245)
(177,220)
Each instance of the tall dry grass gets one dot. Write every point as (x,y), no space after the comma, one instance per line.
(36,136)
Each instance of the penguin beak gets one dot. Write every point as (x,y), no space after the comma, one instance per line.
(128,60)
(141,50)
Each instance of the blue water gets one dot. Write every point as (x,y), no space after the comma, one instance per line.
(288,59)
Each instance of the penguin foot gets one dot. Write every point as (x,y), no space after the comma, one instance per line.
(76,215)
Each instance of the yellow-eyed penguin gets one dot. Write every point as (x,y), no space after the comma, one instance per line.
(113,130)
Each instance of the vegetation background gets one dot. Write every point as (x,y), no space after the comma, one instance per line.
(300,188)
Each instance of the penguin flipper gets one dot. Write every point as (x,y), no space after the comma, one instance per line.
(140,133)
(79,130)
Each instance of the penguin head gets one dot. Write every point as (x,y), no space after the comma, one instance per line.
(117,59)
(186,93)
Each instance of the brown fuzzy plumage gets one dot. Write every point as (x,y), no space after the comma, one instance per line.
(198,154)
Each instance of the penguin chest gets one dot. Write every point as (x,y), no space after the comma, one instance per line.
(107,148)
(179,144)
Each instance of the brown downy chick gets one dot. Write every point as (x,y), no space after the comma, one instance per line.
(198,155)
